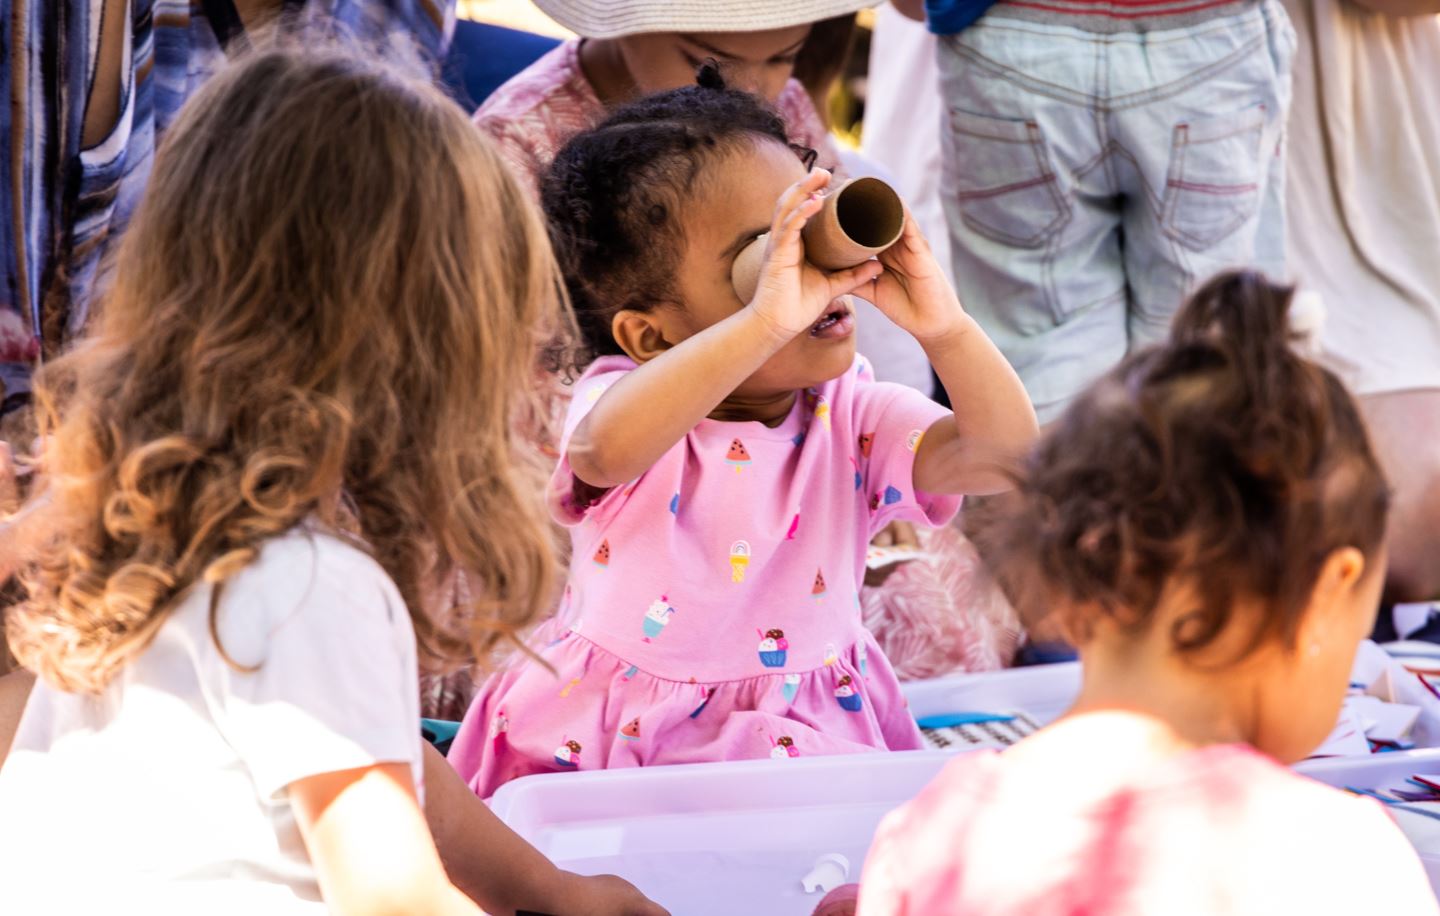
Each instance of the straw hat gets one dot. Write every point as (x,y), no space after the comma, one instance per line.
(615,18)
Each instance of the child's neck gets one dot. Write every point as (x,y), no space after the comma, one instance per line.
(604,68)
(770,409)
(1187,705)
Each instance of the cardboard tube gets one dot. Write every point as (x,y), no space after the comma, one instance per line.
(860,219)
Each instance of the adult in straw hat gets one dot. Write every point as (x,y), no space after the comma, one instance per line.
(629,48)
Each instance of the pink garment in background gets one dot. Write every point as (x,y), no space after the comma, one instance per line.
(534,114)
(943,612)
(1221,830)
(713,610)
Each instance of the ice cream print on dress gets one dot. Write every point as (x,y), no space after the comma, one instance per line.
(846,694)
(657,618)
(774,648)
(568,754)
(739,559)
(790,688)
(783,748)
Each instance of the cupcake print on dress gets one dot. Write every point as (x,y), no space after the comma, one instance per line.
(774,648)
(631,732)
(737,457)
(568,754)
(657,618)
(846,695)
(499,727)
(784,748)
(739,559)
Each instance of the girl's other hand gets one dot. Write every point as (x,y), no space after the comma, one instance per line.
(793,293)
(913,291)
(605,895)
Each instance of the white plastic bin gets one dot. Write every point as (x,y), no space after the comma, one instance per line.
(721,838)
(1044,691)
(1379,772)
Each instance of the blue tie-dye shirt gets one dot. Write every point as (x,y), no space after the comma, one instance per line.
(64,206)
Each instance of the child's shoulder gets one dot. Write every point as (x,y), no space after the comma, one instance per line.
(542,93)
(309,566)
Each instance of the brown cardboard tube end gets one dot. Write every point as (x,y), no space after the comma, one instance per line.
(745,272)
(861,219)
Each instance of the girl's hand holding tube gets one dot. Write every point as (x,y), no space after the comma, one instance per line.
(913,291)
(793,293)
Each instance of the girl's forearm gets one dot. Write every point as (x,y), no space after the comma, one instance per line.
(994,421)
(644,414)
(485,859)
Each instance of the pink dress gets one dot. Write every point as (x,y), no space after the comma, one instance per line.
(713,606)
(533,115)
(1222,830)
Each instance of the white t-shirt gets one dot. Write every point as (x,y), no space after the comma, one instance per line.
(166,793)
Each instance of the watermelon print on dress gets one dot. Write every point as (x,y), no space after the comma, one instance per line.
(737,457)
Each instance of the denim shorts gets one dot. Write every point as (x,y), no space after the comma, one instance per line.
(1093,177)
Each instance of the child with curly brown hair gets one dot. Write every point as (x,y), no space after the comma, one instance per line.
(294,418)
(1207,522)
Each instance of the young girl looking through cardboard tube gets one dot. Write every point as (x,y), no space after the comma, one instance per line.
(725,462)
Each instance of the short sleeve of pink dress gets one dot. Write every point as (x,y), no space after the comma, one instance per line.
(538,110)
(1218,830)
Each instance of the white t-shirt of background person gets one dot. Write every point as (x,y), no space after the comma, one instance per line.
(166,793)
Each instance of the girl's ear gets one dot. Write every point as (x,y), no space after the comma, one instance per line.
(1334,588)
(640,334)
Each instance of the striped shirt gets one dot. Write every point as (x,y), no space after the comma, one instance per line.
(65,206)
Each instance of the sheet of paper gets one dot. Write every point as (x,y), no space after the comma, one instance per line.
(880,557)
(1347,740)
(1382,721)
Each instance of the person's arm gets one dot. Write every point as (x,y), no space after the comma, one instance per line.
(910,9)
(14,691)
(1402,8)
(993,424)
(483,858)
(373,854)
(503,873)
(646,412)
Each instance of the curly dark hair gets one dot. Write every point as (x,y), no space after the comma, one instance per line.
(1221,458)
(614,194)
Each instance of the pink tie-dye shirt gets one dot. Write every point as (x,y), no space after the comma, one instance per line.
(1221,830)
(534,114)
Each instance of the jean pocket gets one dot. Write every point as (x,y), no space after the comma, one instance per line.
(1006,184)
(1213,185)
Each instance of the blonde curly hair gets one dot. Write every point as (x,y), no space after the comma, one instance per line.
(328,307)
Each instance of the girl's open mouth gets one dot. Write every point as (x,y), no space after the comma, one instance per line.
(836,324)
